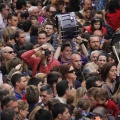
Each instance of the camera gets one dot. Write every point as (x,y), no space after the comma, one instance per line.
(47,52)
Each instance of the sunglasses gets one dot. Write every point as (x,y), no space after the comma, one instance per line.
(10,52)
(71,71)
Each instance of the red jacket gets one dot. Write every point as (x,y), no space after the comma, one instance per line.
(88,28)
(34,62)
(113,19)
(111,107)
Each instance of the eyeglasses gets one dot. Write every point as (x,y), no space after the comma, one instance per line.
(7,9)
(71,71)
(10,52)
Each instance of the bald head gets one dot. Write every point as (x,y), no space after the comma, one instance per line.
(76,61)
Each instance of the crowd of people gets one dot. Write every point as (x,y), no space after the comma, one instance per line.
(44,76)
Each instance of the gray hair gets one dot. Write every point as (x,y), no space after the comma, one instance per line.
(31,9)
(95,52)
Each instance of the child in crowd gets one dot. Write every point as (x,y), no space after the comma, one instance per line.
(103,100)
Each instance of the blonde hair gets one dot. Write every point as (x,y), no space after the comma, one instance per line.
(81,91)
(22,105)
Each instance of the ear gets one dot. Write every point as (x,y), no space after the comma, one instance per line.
(17,83)
(9,21)
(21,111)
(59,116)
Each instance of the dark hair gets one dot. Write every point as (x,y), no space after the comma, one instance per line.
(16,78)
(18,33)
(20,4)
(97,12)
(58,108)
(34,81)
(8,114)
(91,80)
(53,77)
(103,54)
(48,23)
(105,69)
(61,87)
(26,25)
(42,32)
(5,101)
(27,46)
(65,45)
(95,20)
(24,14)
(33,17)
(10,15)
(47,88)
(34,30)
(2,6)
(43,114)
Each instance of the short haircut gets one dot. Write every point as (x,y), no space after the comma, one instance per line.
(91,37)
(20,4)
(47,88)
(5,101)
(32,93)
(3,93)
(101,94)
(2,6)
(53,77)
(42,32)
(61,87)
(43,114)
(18,33)
(26,25)
(10,15)
(58,108)
(48,23)
(16,78)
(103,54)
(65,45)
(34,81)
(8,114)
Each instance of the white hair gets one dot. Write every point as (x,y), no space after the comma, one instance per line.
(30,10)
(95,51)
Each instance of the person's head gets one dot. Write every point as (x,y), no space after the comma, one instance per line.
(60,111)
(9,102)
(99,34)
(76,61)
(20,5)
(46,93)
(87,4)
(26,25)
(93,80)
(111,58)
(32,94)
(81,91)
(12,19)
(34,20)
(98,14)
(3,93)
(23,108)
(19,81)
(4,10)
(65,88)
(10,39)
(109,70)
(7,53)
(42,37)
(101,96)
(102,59)
(66,51)
(94,42)
(94,55)
(33,10)
(54,77)
(43,114)
(96,24)
(101,111)
(49,28)
(8,114)
(90,94)
(68,72)
(20,37)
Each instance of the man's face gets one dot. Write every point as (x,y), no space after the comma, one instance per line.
(95,43)
(87,4)
(21,38)
(14,105)
(6,11)
(23,83)
(94,57)
(49,29)
(35,12)
(65,115)
(42,38)
(14,21)
(93,102)
(45,97)
(98,33)
(99,16)
(76,62)
(9,53)
(66,53)
(52,10)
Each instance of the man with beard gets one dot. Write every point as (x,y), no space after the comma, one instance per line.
(76,62)
(94,43)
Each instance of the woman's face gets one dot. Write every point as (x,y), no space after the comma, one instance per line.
(101,61)
(71,74)
(96,25)
(111,60)
(24,113)
(112,72)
